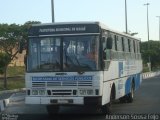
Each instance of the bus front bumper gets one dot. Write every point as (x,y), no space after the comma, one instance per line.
(64,100)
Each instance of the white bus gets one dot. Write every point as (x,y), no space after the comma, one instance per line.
(81,63)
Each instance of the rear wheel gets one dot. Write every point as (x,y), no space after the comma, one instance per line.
(129,97)
(131,94)
(123,99)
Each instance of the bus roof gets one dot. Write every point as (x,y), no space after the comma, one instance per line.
(100,24)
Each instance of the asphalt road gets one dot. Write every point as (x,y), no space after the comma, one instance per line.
(146,101)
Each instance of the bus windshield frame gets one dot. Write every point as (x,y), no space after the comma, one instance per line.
(75,53)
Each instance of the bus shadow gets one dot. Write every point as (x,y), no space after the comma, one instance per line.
(77,117)
(77,113)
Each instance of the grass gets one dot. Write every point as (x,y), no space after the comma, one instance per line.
(145,69)
(15,71)
(15,78)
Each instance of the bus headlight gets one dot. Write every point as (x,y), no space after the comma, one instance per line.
(41,92)
(89,92)
(86,92)
(34,92)
(82,92)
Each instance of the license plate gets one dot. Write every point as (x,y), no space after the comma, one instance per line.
(62,101)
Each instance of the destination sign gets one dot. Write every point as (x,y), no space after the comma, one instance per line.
(63,29)
(62,78)
(53,29)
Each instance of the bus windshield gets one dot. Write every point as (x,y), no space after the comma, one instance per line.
(68,53)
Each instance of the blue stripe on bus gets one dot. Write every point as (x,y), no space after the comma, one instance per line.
(128,85)
(137,81)
(128,82)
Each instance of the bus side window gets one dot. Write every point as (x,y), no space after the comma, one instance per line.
(109,43)
(107,46)
(123,49)
(126,45)
(115,41)
(104,43)
(129,45)
(104,40)
(119,43)
(138,47)
(134,46)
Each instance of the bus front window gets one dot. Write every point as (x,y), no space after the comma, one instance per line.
(44,54)
(76,53)
(80,53)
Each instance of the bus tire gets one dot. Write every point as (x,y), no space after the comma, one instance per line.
(107,108)
(123,99)
(130,96)
(52,109)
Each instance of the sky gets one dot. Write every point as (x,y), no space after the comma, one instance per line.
(109,12)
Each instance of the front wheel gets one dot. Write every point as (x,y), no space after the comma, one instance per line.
(106,109)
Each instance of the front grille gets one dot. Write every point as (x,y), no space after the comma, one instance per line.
(62,83)
(69,83)
(84,83)
(50,84)
(38,84)
(61,92)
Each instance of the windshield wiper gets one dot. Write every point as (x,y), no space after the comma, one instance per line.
(68,58)
(80,70)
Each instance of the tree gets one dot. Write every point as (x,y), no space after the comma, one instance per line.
(4,61)
(153,52)
(12,38)
(25,29)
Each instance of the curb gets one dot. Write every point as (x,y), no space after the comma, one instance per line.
(15,98)
(12,91)
(4,103)
(150,74)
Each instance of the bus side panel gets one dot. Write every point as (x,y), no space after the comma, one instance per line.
(106,92)
(138,81)
(120,87)
(109,79)
(128,85)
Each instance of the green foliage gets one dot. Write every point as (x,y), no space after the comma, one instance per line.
(14,71)
(13,83)
(4,61)
(12,41)
(15,78)
(10,35)
(25,29)
(151,49)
